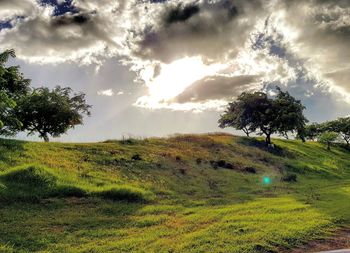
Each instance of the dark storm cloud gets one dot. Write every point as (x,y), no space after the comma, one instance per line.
(216,87)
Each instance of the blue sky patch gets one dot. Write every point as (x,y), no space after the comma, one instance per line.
(61,9)
(5,25)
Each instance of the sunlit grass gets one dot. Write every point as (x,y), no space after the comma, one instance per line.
(166,195)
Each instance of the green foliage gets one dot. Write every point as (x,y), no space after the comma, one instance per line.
(340,126)
(311,132)
(51,112)
(328,138)
(256,111)
(12,86)
(6,106)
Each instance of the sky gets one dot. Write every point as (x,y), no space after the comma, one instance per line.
(160,67)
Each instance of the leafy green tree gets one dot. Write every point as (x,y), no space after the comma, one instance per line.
(257,112)
(13,86)
(51,112)
(328,138)
(6,106)
(342,127)
(289,113)
(310,132)
(235,116)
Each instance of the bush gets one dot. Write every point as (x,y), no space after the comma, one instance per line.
(251,170)
(128,194)
(136,157)
(198,161)
(290,178)
(221,164)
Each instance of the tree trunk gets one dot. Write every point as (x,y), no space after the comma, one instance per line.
(268,139)
(46,137)
(328,146)
(246,131)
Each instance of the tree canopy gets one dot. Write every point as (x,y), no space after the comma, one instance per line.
(256,111)
(340,126)
(13,86)
(51,112)
(328,138)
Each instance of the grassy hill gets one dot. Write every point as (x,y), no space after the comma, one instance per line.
(188,193)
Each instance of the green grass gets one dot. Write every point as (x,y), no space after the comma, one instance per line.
(166,195)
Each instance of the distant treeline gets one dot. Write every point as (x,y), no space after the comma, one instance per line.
(282,114)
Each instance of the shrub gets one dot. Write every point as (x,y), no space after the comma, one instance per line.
(128,194)
(136,157)
(251,170)
(182,171)
(289,178)
(221,164)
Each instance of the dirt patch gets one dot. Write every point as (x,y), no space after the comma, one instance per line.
(341,240)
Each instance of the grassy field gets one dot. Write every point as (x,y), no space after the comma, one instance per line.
(188,193)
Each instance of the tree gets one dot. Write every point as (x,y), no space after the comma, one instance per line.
(51,112)
(328,138)
(6,106)
(342,127)
(235,116)
(256,111)
(13,86)
(289,113)
(310,132)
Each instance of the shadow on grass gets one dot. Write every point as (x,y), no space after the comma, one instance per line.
(260,144)
(32,183)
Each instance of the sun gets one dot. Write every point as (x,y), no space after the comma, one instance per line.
(175,77)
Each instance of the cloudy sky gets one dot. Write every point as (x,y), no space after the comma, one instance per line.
(156,67)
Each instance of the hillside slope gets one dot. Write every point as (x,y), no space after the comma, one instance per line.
(187,193)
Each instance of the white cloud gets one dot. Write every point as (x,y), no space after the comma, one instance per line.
(108,93)
(155,39)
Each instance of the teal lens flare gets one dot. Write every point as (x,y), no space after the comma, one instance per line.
(266,180)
